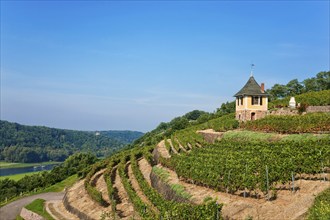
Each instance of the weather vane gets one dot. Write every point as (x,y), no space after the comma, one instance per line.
(252,67)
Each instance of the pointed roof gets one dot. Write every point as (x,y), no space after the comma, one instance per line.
(251,88)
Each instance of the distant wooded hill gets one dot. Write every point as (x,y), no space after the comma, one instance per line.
(21,143)
(125,137)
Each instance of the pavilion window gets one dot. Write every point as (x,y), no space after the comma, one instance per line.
(255,100)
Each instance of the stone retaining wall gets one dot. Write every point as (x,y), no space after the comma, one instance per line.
(29,215)
(284,112)
(165,189)
(210,135)
(156,155)
(318,109)
(73,210)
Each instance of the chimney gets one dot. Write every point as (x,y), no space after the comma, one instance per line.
(262,87)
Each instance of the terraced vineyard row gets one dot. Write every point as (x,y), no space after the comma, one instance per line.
(156,206)
(309,123)
(250,168)
(229,166)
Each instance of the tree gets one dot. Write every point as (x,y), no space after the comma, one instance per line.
(179,123)
(323,80)
(311,84)
(194,115)
(294,87)
(228,107)
(278,91)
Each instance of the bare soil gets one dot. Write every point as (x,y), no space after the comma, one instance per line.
(161,148)
(101,186)
(57,210)
(79,199)
(145,168)
(172,146)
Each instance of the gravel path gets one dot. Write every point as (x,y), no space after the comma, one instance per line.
(11,210)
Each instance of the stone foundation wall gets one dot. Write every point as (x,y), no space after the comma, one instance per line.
(245,115)
(29,215)
(283,111)
(310,109)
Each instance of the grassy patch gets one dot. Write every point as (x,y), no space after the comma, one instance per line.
(180,191)
(58,187)
(6,165)
(17,177)
(305,137)
(38,206)
(250,136)
(163,174)
(177,188)
(321,207)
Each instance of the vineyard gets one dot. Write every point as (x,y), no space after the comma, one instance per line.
(186,177)
(255,168)
(308,123)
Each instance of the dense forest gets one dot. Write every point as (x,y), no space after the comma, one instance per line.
(21,143)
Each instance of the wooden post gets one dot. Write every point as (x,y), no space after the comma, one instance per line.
(217,217)
(292,181)
(323,172)
(267,182)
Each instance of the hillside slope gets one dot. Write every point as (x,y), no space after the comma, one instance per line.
(21,143)
(240,174)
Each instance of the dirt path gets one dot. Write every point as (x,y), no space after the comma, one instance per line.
(145,169)
(124,207)
(79,199)
(137,189)
(57,210)
(101,186)
(172,147)
(287,205)
(161,148)
(11,210)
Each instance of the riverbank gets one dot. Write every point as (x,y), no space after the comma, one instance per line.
(17,177)
(6,165)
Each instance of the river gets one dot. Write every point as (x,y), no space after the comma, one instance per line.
(12,171)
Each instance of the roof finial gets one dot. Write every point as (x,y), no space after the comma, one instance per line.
(252,67)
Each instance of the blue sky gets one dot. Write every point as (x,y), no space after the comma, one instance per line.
(133,64)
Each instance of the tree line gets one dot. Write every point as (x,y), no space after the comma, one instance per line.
(318,83)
